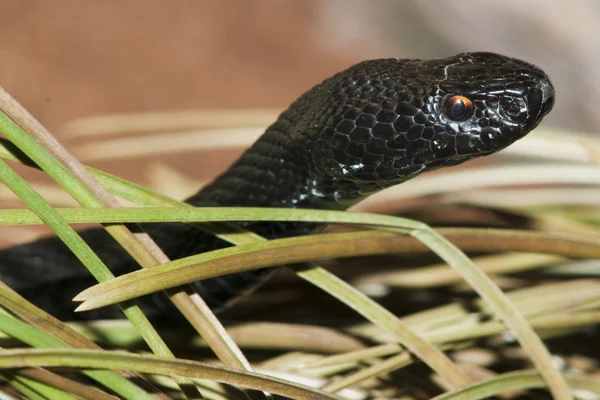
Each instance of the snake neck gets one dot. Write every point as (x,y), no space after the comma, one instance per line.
(276,171)
(267,175)
(280,171)
(273,174)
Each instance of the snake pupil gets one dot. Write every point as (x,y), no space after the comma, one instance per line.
(458,108)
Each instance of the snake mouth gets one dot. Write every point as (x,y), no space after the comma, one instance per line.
(429,160)
(409,167)
(451,159)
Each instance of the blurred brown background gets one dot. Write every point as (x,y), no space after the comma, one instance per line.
(70,58)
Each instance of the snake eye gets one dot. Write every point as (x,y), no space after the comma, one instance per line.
(458,108)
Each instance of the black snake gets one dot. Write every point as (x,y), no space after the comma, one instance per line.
(376,124)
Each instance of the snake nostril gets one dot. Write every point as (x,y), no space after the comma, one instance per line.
(534,102)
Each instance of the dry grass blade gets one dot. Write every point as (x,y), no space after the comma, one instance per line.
(548,144)
(379,368)
(169,121)
(442,275)
(278,335)
(316,247)
(505,175)
(531,198)
(168,142)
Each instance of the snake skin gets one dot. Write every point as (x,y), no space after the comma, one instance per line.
(374,125)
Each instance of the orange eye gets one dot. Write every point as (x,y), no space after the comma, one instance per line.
(458,108)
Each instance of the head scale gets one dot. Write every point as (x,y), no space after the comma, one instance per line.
(386,121)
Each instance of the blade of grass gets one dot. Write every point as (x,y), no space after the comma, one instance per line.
(544,144)
(289,336)
(151,364)
(168,142)
(240,258)
(530,199)
(441,275)
(504,175)
(311,248)
(169,121)
(381,367)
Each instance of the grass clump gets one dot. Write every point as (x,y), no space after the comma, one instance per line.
(399,323)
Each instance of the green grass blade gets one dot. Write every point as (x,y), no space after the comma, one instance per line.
(25,389)
(44,390)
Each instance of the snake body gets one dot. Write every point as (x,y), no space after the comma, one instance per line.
(374,125)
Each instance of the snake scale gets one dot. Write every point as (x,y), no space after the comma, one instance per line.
(371,126)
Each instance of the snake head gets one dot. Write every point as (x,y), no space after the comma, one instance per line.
(386,121)
(485,102)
